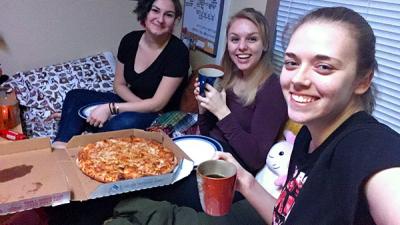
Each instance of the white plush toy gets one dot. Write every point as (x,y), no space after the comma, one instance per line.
(273,176)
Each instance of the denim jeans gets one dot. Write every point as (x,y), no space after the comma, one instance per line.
(72,124)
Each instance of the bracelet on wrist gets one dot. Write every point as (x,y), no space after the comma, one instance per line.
(109,107)
(116,109)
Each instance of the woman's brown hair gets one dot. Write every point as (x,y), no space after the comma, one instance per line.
(143,8)
(363,36)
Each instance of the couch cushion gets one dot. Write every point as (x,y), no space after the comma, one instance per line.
(41,91)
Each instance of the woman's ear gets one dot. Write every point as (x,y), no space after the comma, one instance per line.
(177,20)
(364,83)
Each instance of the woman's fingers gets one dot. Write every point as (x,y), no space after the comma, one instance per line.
(226,156)
(98,116)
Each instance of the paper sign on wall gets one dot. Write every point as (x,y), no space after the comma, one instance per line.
(201,24)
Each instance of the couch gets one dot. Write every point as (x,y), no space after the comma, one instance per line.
(41,91)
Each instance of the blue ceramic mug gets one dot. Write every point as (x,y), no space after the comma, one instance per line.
(208,76)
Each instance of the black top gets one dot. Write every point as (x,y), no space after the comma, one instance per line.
(327,186)
(173,61)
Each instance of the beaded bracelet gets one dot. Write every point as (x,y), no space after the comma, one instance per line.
(109,107)
(113,109)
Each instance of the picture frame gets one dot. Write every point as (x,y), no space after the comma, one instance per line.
(201,24)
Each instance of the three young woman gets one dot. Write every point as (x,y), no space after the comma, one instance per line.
(150,74)
(345,165)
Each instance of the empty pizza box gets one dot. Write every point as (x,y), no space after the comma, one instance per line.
(33,176)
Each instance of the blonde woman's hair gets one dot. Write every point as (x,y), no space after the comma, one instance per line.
(261,72)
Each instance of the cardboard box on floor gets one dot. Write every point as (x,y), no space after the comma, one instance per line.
(32,176)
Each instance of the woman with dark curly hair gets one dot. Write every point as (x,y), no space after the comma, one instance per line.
(150,74)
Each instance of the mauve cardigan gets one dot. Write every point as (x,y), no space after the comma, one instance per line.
(249,132)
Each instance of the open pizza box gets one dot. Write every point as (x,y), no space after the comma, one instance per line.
(83,187)
(30,176)
(33,176)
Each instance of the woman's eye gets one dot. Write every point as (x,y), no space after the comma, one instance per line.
(154,10)
(290,64)
(171,15)
(324,69)
(252,39)
(234,39)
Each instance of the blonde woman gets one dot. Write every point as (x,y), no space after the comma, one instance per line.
(247,115)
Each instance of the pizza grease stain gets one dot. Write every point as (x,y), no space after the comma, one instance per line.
(14,172)
(4,199)
(36,187)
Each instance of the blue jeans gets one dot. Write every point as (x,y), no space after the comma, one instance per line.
(72,124)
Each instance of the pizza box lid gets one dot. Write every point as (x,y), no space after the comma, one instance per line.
(30,176)
(84,188)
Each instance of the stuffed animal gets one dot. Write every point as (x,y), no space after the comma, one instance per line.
(273,176)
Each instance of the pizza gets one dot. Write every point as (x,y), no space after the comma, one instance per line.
(117,159)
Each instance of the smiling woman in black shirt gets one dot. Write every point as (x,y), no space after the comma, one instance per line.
(151,71)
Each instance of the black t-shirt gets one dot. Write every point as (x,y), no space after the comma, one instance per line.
(327,186)
(173,61)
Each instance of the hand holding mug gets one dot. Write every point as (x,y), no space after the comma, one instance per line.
(208,76)
(216,183)
(244,179)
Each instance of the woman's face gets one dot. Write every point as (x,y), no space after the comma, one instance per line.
(244,44)
(319,74)
(160,20)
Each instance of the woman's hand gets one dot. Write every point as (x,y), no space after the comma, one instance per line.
(99,115)
(244,179)
(248,186)
(214,101)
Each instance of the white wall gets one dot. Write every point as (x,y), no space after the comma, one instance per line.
(42,32)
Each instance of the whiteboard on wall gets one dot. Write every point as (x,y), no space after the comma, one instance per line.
(201,24)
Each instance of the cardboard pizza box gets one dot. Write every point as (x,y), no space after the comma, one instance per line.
(33,176)
(30,176)
(84,187)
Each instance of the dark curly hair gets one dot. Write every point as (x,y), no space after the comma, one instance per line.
(143,8)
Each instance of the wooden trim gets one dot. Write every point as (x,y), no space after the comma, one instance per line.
(271,13)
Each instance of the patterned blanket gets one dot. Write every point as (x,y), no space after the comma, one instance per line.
(41,91)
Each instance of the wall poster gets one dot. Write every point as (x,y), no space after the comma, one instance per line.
(201,24)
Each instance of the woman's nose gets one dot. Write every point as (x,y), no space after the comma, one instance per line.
(160,19)
(301,78)
(243,45)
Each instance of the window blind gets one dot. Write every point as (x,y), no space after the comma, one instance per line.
(384,18)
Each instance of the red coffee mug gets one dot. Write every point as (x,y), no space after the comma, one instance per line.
(216,183)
